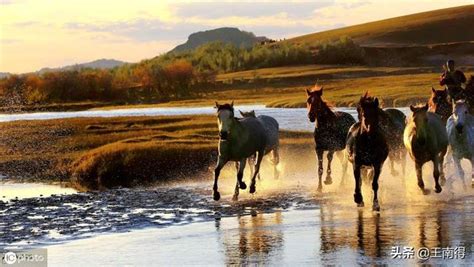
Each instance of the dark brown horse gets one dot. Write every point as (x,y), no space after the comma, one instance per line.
(330,131)
(440,104)
(367,146)
(469,94)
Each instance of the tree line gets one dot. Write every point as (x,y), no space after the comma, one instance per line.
(168,76)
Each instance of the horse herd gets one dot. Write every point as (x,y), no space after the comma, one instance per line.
(441,128)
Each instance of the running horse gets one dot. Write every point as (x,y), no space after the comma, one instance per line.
(240,139)
(330,131)
(469,94)
(426,139)
(367,146)
(460,129)
(392,122)
(440,104)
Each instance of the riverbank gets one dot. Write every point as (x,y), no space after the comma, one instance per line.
(284,87)
(143,149)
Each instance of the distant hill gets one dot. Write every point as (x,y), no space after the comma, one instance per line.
(432,27)
(225,35)
(96,64)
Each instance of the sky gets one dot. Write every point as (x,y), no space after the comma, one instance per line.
(36,34)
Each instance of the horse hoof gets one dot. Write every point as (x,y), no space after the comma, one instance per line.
(320,189)
(442,181)
(235,198)
(358,199)
(360,205)
(438,189)
(217,196)
(376,207)
(252,189)
(328,181)
(242,185)
(426,191)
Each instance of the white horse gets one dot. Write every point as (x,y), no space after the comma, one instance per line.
(240,139)
(460,127)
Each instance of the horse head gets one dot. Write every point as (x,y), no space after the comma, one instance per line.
(225,119)
(460,110)
(439,103)
(368,111)
(248,114)
(420,119)
(314,102)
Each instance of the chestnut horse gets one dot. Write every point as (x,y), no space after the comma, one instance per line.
(426,139)
(330,131)
(367,146)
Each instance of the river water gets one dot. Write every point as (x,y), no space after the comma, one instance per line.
(287,222)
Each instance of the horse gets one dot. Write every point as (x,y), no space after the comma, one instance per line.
(392,123)
(469,94)
(240,139)
(330,131)
(367,146)
(440,104)
(426,139)
(251,160)
(460,128)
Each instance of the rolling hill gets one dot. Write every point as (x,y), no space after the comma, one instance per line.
(96,64)
(450,25)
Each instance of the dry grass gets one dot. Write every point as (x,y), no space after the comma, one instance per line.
(432,27)
(105,152)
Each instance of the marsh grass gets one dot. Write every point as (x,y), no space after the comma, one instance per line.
(95,153)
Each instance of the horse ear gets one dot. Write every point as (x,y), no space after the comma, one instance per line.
(433,90)
(376,102)
(366,94)
(426,107)
(412,108)
(252,112)
(308,92)
(321,91)
(232,103)
(217,105)
(241,113)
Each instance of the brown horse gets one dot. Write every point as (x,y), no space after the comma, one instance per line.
(330,131)
(440,104)
(469,94)
(426,139)
(367,146)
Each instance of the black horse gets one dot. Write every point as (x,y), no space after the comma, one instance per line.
(366,146)
(330,131)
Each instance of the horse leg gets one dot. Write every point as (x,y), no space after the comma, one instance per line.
(459,170)
(328,171)
(276,161)
(436,174)
(357,194)
(251,161)
(320,153)
(220,163)
(441,167)
(375,187)
(472,170)
(393,156)
(419,177)
(240,174)
(257,169)
(343,157)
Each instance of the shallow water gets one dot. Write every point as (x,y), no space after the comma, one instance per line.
(289,118)
(10,190)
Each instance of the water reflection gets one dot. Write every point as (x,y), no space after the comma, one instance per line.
(257,239)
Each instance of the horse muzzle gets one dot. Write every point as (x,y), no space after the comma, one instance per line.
(311,118)
(223,135)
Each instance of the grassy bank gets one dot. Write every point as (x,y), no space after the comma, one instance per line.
(94,153)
